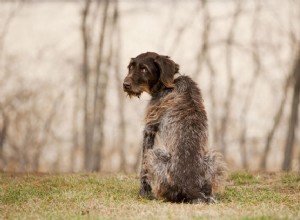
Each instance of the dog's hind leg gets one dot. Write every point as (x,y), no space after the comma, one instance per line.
(156,166)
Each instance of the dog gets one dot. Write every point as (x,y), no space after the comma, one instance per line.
(182,169)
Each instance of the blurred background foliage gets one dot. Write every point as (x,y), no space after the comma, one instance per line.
(62,108)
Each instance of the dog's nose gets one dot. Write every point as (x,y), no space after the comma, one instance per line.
(126,85)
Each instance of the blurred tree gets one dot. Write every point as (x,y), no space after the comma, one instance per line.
(121,111)
(98,52)
(231,80)
(3,133)
(86,75)
(290,138)
(276,121)
(99,102)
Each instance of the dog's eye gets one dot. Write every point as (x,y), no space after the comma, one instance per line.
(144,70)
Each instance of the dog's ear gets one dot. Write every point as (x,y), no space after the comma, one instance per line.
(167,69)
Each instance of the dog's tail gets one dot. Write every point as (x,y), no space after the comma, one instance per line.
(216,170)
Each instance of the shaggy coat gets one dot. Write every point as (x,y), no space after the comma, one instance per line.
(177,165)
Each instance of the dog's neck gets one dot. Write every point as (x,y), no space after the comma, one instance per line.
(159,90)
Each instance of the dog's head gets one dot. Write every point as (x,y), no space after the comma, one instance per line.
(148,69)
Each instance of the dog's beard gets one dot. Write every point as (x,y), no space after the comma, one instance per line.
(132,93)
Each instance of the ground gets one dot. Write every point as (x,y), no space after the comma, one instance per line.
(107,196)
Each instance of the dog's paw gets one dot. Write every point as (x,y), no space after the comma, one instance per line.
(211,200)
(205,199)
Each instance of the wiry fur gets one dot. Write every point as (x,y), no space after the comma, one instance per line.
(182,169)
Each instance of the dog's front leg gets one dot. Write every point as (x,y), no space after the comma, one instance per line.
(148,142)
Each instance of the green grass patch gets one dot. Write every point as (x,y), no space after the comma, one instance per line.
(247,195)
(97,196)
(242,178)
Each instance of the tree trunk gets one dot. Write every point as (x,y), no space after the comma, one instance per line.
(85,73)
(231,81)
(121,113)
(277,118)
(100,93)
(75,133)
(250,89)
(290,139)
(3,133)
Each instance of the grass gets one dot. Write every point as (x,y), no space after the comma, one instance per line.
(94,196)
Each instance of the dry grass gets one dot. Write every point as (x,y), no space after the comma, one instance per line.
(94,196)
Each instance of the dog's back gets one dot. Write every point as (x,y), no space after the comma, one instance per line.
(182,169)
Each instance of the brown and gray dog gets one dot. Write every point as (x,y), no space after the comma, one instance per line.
(181,169)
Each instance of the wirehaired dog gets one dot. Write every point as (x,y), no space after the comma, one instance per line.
(180,168)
